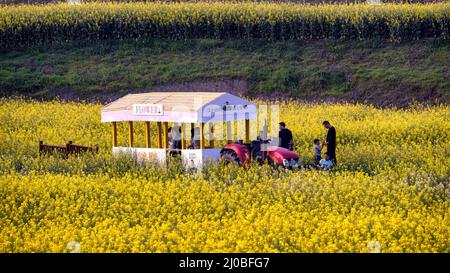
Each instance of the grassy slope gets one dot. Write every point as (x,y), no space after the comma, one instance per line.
(370,71)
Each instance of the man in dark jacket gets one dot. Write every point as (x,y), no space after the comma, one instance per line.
(285,135)
(330,141)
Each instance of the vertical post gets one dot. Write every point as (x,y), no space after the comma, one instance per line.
(158,124)
(202,138)
(114,134)
(69,148)
(183,133)
(191,134)
(41,146)
(235,131)
(148,142)
(262,121)
(166,135)
(224,131)
(229,132)
(247,131)
(211,135)
(269,120)
(130,134)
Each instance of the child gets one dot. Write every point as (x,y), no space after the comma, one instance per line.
(326,164)
(317,151)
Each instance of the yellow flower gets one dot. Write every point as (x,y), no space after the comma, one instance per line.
(389,192)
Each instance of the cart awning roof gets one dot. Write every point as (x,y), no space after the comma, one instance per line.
(179,107)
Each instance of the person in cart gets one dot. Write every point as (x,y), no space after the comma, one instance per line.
(174,140)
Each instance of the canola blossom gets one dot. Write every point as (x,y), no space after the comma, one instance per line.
(30,24)
(390,193)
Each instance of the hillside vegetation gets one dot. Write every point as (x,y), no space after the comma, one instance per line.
(372,71)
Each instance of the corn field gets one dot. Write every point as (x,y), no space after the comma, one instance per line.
(24,25)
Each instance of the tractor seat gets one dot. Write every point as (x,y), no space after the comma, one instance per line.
(255,148)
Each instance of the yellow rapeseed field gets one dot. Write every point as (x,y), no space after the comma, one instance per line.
(30,24)
(390,193)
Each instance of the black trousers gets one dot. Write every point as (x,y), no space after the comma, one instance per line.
(331,151)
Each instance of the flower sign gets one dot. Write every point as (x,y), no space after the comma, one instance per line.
(148,110)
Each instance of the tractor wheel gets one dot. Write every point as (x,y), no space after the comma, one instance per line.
(229,156)
(273,164)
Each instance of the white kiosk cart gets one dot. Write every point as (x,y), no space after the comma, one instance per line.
(198,111)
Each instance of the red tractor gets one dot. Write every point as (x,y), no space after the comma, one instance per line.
(241,154)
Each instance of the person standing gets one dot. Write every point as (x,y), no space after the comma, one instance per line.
(330,141)
(285,135)
(317,151)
